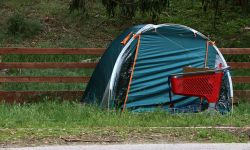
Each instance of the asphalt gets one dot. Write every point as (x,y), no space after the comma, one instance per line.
(185,146)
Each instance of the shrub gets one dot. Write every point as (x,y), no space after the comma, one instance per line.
(125,8)
(17,25)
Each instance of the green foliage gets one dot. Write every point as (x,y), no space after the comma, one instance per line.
(110,7)
(218,5)
(126,8)
(153,7)
(62,29)
(79,5)
(129,8)
(17,25)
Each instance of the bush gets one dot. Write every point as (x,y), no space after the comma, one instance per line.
(17,25)
(125,8)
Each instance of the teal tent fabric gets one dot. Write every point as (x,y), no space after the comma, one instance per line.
(98,82)
(163,50)
(163,53)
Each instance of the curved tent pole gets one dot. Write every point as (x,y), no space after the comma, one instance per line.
(132,72)
(118,63)
(228,75)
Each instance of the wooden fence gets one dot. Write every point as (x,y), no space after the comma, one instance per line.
(24,96)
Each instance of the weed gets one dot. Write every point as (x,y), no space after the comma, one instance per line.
(17,25)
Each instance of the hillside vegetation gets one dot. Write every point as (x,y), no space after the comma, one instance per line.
(40,23)
(49,23)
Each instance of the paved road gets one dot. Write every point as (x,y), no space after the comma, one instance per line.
(188,146)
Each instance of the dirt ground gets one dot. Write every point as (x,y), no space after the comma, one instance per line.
(134,136)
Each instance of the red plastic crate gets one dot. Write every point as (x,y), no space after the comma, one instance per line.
(206,85)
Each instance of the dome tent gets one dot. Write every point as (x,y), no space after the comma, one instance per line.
(133,72)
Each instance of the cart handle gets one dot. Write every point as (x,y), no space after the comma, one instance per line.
(200,72)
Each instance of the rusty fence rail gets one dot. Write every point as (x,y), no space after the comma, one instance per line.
(25,96)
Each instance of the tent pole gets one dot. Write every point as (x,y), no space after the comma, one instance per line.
(132,72)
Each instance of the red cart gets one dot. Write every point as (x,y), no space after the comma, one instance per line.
(203,84)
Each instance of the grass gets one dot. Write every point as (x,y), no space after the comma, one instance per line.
(237,58)
(55,115)
(28,137)
(241,72)
(43,86)
(60,28)
(50,72)
(48,58)
(54,120)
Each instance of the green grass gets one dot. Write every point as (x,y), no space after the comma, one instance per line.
(241,86)
(49,58)
(50,72)
(73,115)
(61,29)
(237,58)
(53,120)
(42,86)
(240,72)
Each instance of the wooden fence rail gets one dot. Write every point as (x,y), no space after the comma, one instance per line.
(47,79)
(44,65)
(23,96)
(235,51)
(95,51)
(239,65)
(70,51)
(77,79)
